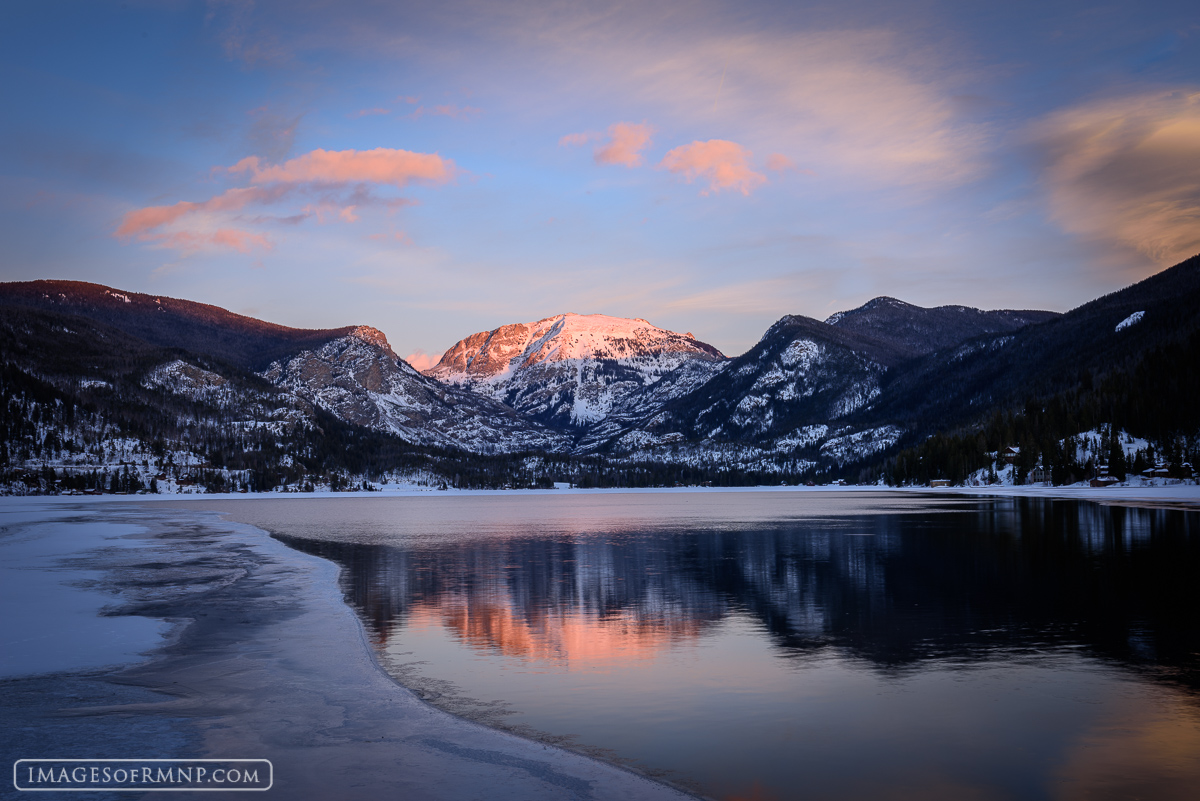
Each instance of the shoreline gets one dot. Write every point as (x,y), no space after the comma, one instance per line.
(269,662)
(1151,494)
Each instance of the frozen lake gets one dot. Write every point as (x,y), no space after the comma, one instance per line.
(793,645)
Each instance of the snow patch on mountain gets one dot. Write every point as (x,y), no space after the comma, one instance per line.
(1129,321)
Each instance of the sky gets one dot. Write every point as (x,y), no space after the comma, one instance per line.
(437,169)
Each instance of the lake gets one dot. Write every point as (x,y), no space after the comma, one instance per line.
(794,645)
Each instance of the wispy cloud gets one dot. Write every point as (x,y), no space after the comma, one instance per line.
(340,179)
(854,100)
(1128,171)
(141,220)
(231,238)
(724,164)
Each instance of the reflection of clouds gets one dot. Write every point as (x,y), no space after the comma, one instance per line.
(1128,171)
(1139,751)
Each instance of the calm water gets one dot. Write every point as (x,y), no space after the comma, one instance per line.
(796,645)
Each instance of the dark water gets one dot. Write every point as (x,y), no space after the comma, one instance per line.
(797,645)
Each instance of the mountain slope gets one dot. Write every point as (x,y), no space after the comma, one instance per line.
(1077,350)
(169,322)
(574,370)
(780,401)
(917,331)
(359,378)
(72,331)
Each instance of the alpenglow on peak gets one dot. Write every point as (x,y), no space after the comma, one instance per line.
(501,352)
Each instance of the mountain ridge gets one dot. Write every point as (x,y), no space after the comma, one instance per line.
(809,396)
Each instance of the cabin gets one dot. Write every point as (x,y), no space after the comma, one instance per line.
(1039,475)
(1104,481)
(940,482)
(1009,455)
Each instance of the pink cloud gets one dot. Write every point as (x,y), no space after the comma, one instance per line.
(191,241)
(722,163)
(626,140)
(575,139)
(140,220)
(340,180)
(381,165)
(420,360)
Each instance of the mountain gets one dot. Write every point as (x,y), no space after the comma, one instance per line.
(360,379)
(797,398)
(168,322)
(350,372)
(916,331)
(97,383)
(776,404)
(575,370)
(1115,337)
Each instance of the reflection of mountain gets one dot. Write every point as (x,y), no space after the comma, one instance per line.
(1021,576)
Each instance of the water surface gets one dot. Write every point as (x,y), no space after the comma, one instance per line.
(795,645)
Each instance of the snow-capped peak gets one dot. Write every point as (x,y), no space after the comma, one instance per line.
(574,369)
(593,337)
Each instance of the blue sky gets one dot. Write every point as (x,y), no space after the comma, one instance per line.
(439,169)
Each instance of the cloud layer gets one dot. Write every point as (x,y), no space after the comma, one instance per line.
(1128,171)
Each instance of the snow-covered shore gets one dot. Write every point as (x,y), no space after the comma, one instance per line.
(264,660)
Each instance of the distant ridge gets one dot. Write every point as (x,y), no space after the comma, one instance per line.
(171,323)
(916,330)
